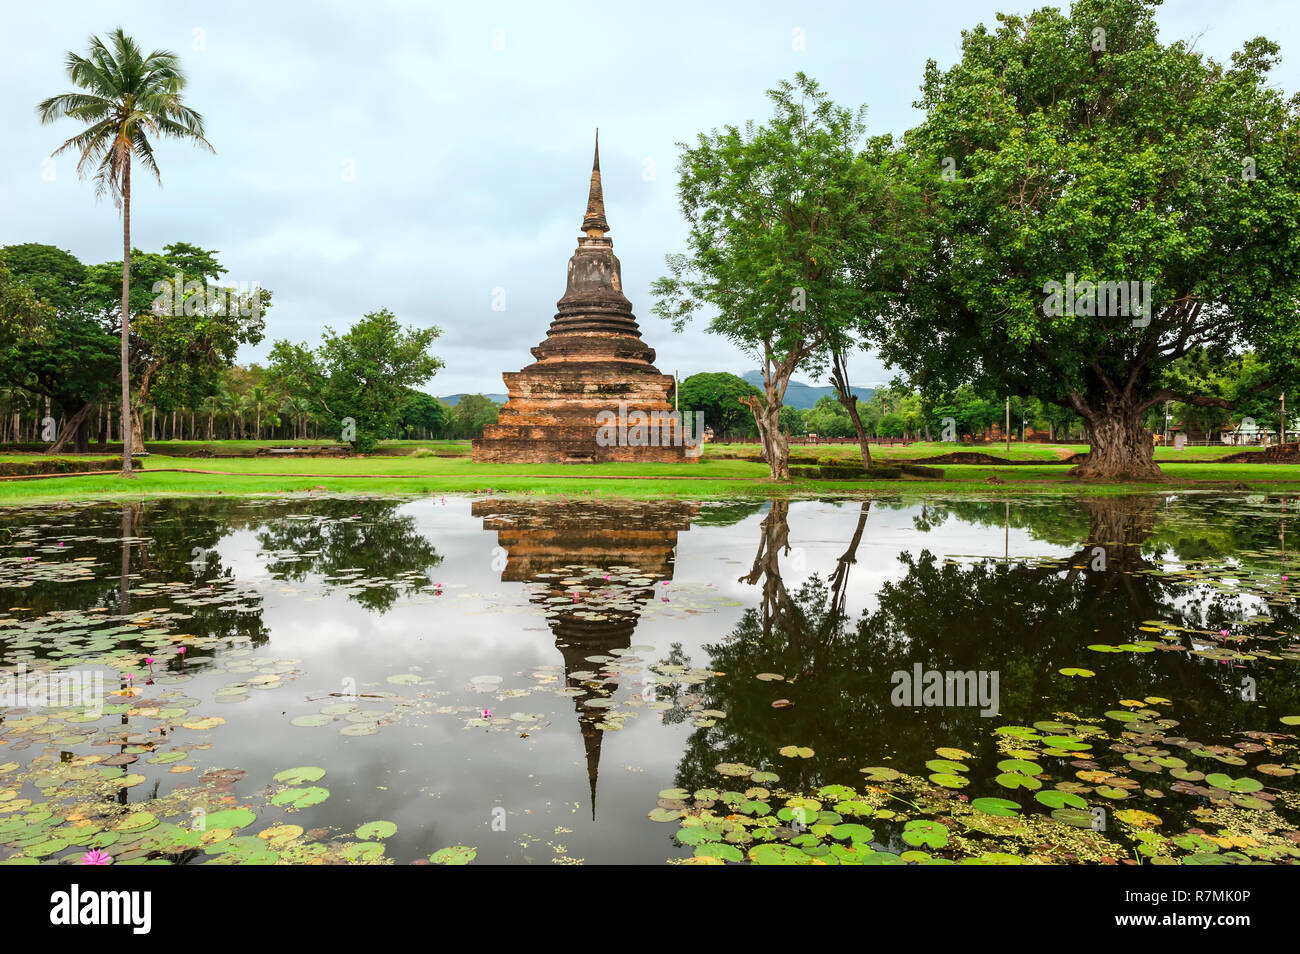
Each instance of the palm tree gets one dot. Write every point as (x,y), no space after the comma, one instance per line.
(297,408)
(228,404)
(125,97)
(247,404)
(257,396)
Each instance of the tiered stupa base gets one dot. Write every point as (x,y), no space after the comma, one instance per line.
(554,416)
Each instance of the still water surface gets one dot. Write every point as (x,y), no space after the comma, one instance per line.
(531,678)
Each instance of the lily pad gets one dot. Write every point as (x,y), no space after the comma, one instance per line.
(454,855)
(377,830)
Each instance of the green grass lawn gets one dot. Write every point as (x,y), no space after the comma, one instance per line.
(721,472)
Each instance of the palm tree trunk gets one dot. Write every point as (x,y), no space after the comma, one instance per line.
(126,312)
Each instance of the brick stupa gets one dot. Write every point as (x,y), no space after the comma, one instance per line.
(593,360)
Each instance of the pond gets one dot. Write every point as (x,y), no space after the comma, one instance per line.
(324,679)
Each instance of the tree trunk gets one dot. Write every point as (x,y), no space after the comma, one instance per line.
(137,431)
(129,513)
(1121,448)
(849,400)
(78,427)
(767,415)
(840,577)
(774,541)
(126,317)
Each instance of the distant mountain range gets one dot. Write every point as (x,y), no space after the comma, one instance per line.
(797,394)
(454,399)
(804,396)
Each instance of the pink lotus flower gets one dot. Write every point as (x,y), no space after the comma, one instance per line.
(1223,632)
(96,857)
(148,660)
(486,714)
(182,650)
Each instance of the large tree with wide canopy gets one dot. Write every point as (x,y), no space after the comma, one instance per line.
(1067,151)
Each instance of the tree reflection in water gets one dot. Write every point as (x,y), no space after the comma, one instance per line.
(1024,619)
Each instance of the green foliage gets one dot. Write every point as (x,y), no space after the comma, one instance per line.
(827,418)
(793,421)
(1141,161)
(359,380)
(57,465)
(471,414)
(21,311)
(50,343)
(177,351)
(717,395)
(795,233)
(420,410)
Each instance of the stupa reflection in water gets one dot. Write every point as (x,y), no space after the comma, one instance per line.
(612,554)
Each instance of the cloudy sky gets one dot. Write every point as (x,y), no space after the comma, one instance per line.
(421,156)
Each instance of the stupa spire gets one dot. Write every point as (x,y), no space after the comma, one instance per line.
(594,223)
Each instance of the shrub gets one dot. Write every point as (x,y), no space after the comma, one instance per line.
(60,465)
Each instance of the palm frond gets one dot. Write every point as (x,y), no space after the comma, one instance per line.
(144,151)
(124,97)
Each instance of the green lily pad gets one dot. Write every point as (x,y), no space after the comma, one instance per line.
(454,855)
(1021,766)
(376,830)
(297,776)
(232,818)
(719,850)
(1001,807)
(921,833)
(300,797)
(1056,799)
(1017,780)
(853,833)
(796,751)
